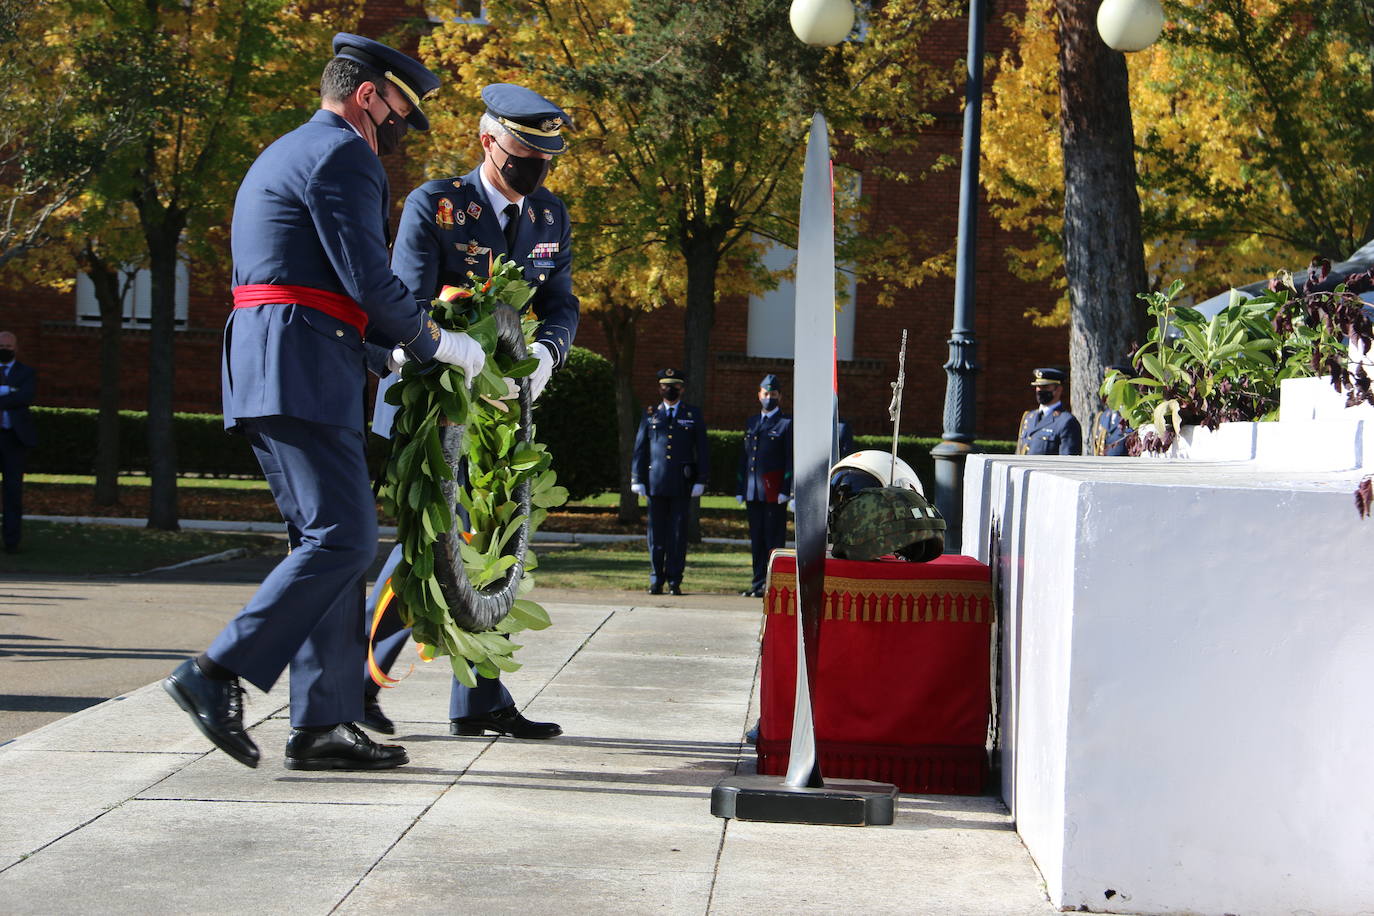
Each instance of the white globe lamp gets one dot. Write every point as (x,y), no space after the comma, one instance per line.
(1128,25)
(822,22)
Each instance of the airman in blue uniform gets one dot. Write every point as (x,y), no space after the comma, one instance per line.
(1049,429)
(672,463)
(311,286)
(454,227)
(764,481)
(1111,431)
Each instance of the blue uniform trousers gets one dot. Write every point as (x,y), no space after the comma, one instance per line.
(767,532)
(308,611)
(668,538)
(12,456)
(391,638)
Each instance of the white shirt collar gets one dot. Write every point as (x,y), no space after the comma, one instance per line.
(1049,408)
(769,413)
(496,199)
(667,406)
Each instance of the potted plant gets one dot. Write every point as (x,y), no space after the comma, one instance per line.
(1200,371)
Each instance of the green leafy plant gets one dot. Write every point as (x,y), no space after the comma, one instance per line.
(1195,370)
(498,463)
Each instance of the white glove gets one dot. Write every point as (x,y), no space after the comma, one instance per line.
(637,489)
(782,498)
(540,377)
(698,489)
(512,389)
(740,500)
(458,349)
(791,505)
(397,358)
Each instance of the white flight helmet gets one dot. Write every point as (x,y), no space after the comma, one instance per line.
(849,473)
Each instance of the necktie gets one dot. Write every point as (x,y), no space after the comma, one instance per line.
(512,212)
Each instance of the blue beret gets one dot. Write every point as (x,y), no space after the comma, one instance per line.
(405,72)
(1048,377)
(669,377)
(533,119)
(770,383)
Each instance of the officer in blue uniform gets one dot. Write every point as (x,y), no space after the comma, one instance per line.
(311,283)
(672,463)
(1049,429)
(1111,431)
(453,227)
(764,482)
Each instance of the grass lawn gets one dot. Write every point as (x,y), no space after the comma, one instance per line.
(53,548)
(711,568)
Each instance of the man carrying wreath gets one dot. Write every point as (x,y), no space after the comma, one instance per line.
(455,226)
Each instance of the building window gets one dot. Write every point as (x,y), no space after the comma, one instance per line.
(137,300)
(770,314)
(473,12)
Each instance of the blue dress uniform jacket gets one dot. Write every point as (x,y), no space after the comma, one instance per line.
(671,454)
(1058,433)
(312,212)
(765,473)
(1110,433)
(17,436)
(448,230)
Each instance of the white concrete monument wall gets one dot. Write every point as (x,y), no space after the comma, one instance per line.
(1187,672)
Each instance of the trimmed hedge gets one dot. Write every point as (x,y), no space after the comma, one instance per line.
(575,417)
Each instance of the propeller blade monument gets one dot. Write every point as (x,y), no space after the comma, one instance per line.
(803,797)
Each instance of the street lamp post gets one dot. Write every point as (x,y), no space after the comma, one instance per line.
(961,367)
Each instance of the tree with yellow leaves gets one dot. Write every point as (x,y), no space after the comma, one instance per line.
(1253,135)
(203,87)
(691,119)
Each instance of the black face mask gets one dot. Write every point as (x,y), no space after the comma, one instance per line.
(1044,395)
(390,131)
(770,402)
(6,355)
(671,393)
(524,174)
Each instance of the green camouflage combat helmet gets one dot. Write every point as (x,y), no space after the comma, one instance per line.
(883,520)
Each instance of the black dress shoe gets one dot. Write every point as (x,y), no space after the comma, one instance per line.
(344,747)
(752,593)
(655,589)
(216,707)
(507,721)
(674,589)
(375,719)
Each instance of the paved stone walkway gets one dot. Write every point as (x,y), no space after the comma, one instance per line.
(124,808)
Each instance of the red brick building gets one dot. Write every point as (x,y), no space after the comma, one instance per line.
(63,343)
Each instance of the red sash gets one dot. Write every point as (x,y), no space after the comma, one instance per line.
(336,305)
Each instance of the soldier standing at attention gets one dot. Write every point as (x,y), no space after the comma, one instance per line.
(311,282)
(672,463)
(1049,429)
(455,226)
(764,482)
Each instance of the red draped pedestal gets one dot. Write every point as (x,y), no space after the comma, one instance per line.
(902,695)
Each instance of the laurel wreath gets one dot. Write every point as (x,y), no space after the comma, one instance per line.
(435,395)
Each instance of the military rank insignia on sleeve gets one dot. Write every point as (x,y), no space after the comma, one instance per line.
(443,216)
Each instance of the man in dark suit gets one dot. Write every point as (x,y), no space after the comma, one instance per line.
(311,284)
(455,226)
(1049,429)
(764,481)
(18,383)
(672,463)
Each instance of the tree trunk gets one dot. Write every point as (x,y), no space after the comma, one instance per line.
(163,234)
(1104,258)
(703,259)
(620,327)
(109,294)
